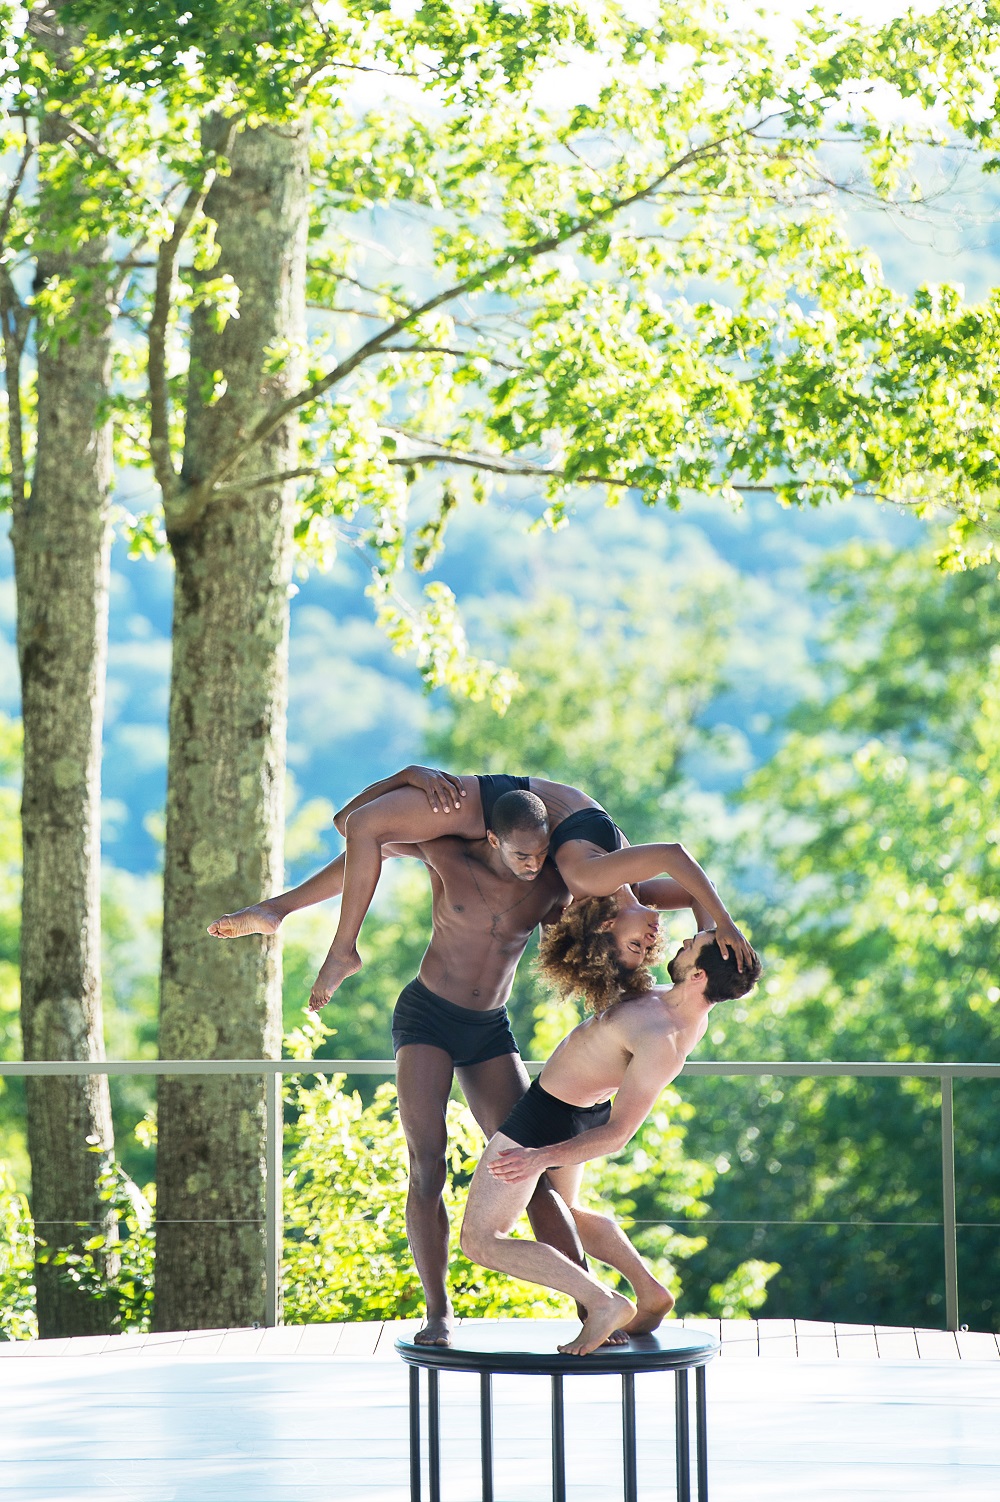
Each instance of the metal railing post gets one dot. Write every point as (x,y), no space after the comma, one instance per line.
(949,1215)
(274,1220)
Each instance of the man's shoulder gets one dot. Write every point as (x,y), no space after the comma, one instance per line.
(647,1015)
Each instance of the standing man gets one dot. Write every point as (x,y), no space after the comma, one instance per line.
(629,1048)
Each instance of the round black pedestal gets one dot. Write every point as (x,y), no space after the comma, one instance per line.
(520,1347)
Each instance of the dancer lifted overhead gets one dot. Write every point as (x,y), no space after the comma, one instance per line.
(418,804)
(633,1044)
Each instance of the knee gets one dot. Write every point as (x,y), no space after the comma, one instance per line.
(428,1172)
(477,1243)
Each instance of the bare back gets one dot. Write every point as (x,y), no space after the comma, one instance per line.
(481,921)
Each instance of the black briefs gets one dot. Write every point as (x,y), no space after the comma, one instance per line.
(470,1037)
(493,787)
(539,1119)
(587,824)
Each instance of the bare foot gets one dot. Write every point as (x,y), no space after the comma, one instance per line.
(617,1338)
(434,1332)
(334,972)
(601,1323)
(258,919)
(650,1312)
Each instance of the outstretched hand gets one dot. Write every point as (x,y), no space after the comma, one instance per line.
(728,937)
(443,790)
(514,1165)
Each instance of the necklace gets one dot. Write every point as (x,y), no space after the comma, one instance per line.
(495,917)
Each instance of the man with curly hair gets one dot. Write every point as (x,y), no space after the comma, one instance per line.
(591,1097)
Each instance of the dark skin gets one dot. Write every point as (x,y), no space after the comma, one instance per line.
(398,808)
(488,897)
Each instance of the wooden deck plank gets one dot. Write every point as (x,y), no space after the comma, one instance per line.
(815,1340)
(283,1427)
(937,1345)
(739,1339)
(859,1342)
(896,1344)
(281,1340)
(320,1340)
(360,1338)
(776,1338)
(977,1345)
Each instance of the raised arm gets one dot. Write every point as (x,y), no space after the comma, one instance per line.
(591,872)
(443,791)
(667,895)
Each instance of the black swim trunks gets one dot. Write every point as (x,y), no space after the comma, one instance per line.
(492,787)
(470,1037)
(587,824)
(539,1119)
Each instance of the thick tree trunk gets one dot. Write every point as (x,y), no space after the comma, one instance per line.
(227,745)
(61,537)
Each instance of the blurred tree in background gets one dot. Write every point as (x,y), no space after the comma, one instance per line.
(878,832)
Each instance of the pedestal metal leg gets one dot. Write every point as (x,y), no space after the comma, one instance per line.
(701,1428)
(683,1439)
(628,1437)
(486,1433)
(558,1442)
(433,1436)
(414,1434)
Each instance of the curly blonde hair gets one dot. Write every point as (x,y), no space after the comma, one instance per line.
(577,957)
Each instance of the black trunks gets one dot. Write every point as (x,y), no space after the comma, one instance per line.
(539,1119)
(587,824)
(493,787)
(470,1037)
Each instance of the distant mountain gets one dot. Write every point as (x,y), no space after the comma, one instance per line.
(356,711)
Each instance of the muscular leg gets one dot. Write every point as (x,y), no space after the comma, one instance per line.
(604,1239)
(266,917)
(493,1209)
(403,817)
(423,1082)
(492,1090)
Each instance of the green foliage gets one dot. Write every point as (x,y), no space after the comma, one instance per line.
(611,696)
(624,265)
(116,1269)
(877,828)
(744,1292)
(17,1291)
(346,1255)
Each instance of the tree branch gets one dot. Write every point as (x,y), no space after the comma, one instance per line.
(12,332)
(501,266)
(15,188)
(166,266)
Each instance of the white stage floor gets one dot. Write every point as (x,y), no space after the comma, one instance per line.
(798,1412)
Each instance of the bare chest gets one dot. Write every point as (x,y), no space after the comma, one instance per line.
(470,898)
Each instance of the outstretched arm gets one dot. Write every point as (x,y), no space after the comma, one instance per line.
(443,790)
(591,872)
(667,895)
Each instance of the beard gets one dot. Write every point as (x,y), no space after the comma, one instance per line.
(675,968)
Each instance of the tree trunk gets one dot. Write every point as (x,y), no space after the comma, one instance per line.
(61,539)
(227,747)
